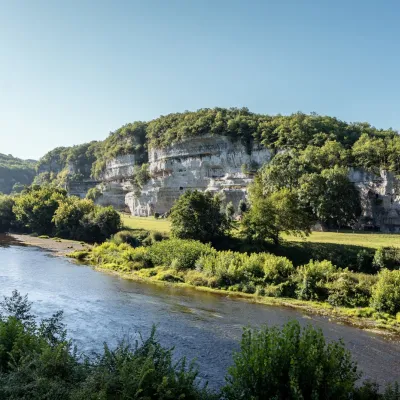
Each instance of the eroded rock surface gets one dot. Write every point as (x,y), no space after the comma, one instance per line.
(208,163)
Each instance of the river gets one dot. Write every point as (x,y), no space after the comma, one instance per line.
(100,307)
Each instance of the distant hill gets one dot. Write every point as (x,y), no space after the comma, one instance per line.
(14,173)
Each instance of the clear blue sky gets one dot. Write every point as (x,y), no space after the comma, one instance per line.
(72,71)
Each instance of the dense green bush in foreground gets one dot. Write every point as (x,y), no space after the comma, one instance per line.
(38,362)
(261,273)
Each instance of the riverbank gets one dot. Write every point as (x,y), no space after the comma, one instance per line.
(60,247)
(361,317)
(356,317)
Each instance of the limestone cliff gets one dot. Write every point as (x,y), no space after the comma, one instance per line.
(380,198)
(209,163)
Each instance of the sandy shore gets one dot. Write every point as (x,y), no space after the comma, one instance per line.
(59,247)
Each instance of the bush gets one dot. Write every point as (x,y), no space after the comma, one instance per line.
(123,256)
(291,363)
(130,237)
(386,292)
(94,193)
(350,290)
(387,257)
(184,253)
(277,269)
(312,278)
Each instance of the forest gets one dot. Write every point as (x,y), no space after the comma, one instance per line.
(15,173)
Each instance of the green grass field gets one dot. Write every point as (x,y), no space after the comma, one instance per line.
(147,223)
(364,239)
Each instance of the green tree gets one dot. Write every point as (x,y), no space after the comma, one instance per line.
(69,216)
(270,215)
(230,211)
(35,208)
(331,197)
(7,217)
(197,215)
(291,363)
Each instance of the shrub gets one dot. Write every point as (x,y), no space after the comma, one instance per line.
(196,278)
(152,238)
(94,193)
(156,215)
(184,253)
(387,257)
(291,363)
(277,269)
(123,256)
(130,237)
(230,268)
(350,289)
(312,278)
(386,292)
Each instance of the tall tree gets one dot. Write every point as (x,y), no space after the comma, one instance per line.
(331,197)
(197,215)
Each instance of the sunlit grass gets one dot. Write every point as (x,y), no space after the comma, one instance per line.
(147,223)
(365,239)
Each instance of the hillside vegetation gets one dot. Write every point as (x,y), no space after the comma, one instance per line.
(15,172)
(316,139)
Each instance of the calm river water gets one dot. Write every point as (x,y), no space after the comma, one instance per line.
(99,307)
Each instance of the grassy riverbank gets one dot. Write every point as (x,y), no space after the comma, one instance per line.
(363,317)
(317,287)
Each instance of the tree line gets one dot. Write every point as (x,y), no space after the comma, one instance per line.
(324,140)
(46,210)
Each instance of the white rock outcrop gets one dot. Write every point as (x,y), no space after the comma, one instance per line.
(208,163)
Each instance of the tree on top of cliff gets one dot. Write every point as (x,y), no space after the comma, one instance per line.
(14,170)
(343,144)
(129,139)
(197,215)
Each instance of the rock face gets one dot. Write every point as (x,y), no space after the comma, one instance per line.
(117,182)
(380,200)
(207,163)
(219,165)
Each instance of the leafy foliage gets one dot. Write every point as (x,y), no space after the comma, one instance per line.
(36,206)
(48,210)
(7,217)
(386,293)
(291,363)
(129,139)
(332,198)
(14,171)
(273,213)
(197,215)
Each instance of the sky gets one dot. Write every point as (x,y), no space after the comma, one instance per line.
(72,71)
